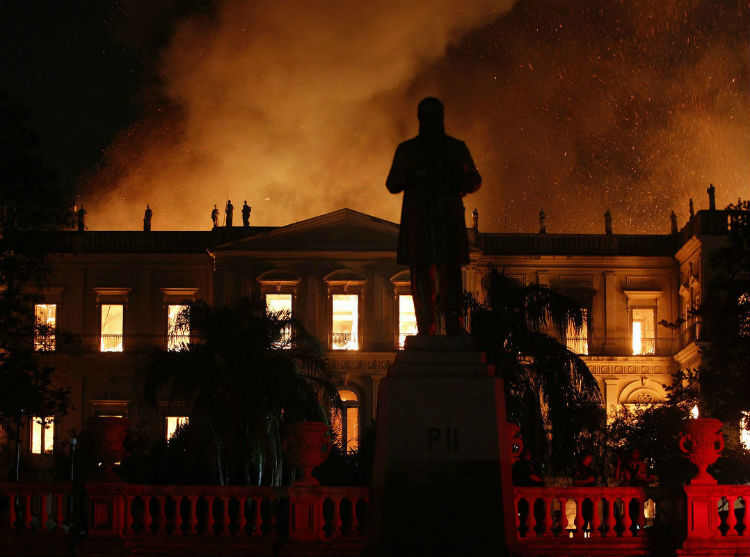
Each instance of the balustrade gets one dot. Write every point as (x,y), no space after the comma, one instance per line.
(223,512)
(35,507)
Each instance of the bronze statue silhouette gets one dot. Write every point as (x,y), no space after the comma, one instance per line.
(215,216)
(475,220)
(246,215)
(434,171)
(542,222)
(147,219)
(229,210)
(81,218)
(673,223)
(711,191)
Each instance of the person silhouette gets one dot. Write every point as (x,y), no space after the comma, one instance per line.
(147,219)
(246,215)
(215,216)
(434,171)
(229,210)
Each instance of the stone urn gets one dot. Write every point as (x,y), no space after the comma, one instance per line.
(516,441)
(306,445)
(702,442)
(108,435)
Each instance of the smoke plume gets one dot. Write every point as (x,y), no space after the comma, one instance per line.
(569,106)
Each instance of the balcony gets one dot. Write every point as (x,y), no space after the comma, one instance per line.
(613,346)
(76,344)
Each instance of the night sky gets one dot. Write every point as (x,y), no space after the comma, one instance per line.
(569,106)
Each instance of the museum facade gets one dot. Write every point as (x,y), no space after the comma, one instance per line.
(112,297)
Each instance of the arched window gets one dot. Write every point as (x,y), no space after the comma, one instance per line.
(345,422)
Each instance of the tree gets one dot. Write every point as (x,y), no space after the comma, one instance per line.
(550,391)
(30,198)
(246,373)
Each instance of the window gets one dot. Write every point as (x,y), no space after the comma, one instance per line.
(173,422)
(345,422)
(44,331)
(42,435)
(578,342)
(345,322)
(111,331)
(644,330)
(178,333)
(281,304)
(407,319)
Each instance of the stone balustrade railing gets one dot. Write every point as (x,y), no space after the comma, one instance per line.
(240,512)
(632,520)
(35,507)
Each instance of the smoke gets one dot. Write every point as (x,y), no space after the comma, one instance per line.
(569,106)
(294,108)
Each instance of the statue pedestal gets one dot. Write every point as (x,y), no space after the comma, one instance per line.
(442,458)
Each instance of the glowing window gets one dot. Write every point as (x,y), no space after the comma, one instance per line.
(44,332)
(178,333)
(42,435)
(281,304)
(345,322)
(173,422)
(111,331)
(345,422)
(745,431)
(644,330)
(578,342)
(407,319)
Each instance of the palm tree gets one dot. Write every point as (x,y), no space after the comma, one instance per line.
(246,372)
(550,391)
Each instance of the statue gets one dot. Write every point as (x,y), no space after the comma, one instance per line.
(608,222)
(542,222)
(80,218)
(673,220)
(690,207)
(147,219)
(711,190)
(229,210)
(475,219)
(246,215)
(434,171)
(215,216)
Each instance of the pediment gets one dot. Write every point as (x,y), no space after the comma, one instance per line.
(343,230)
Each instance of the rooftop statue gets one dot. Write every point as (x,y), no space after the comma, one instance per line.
(711,191)
(246,215)
(542,222)
(434,171)
(229,210)
(215,216)
(80,218)
(608,222)
(147,219)
(673,221)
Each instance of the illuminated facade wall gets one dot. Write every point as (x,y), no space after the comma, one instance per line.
(117,298)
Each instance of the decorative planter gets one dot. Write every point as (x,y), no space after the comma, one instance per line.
(702,442)
(306,445)
(108,435)
(515,440)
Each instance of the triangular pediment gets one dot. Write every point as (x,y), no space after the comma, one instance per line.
(343,230)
